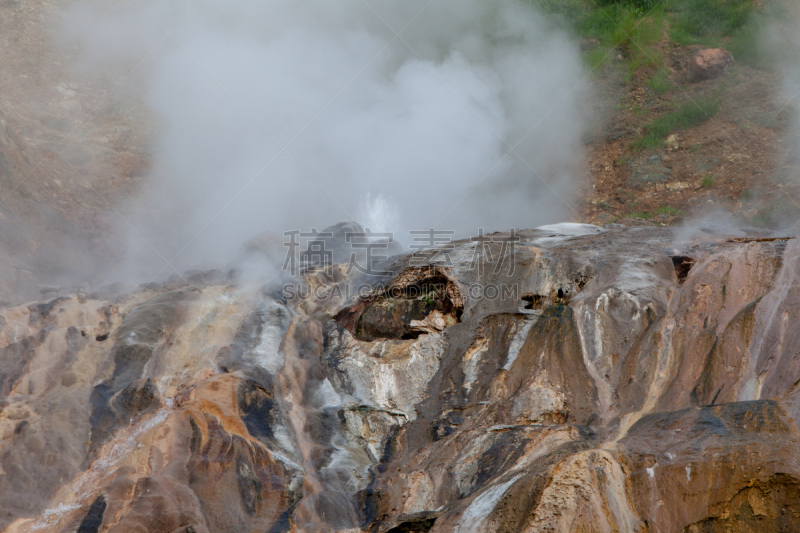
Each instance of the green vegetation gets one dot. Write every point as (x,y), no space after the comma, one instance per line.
(627,37)
(708,21)
(747,43)
(688,115)
(648,141)
(641,5)
(633,28)
(708,182)
(644,215)
(429,298)
(746,47)
(733,24)
(629,28)
(637,36)
(668,210)
(659,82)
(663,210)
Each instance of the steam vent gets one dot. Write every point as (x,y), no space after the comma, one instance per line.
(618,382)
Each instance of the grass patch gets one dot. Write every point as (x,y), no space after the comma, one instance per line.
(745,45)
(669,210)
(637,36)
(634,28)
(629,27)
(568,13)
(757,44)
(648,141)
(659,82)
(663,210)
(708,182)
(688,115)
(708,21)
(597,58)
(737,25)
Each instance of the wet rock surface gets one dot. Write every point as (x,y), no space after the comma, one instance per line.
(618,379)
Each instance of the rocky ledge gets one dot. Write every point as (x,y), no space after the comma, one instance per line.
(595,379)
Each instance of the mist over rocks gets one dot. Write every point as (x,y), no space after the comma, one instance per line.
(280,116)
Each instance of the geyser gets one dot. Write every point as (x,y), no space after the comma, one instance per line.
(281,115)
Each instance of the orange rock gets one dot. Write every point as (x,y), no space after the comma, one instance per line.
(709,64)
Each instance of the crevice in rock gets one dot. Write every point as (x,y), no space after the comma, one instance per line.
(418,301)
(682,264)
(94,518)
(561,295)
(745,240)
(419,523)
(534,301)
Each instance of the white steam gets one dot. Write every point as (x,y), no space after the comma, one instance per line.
(791,88)
(284,115)
(380,215)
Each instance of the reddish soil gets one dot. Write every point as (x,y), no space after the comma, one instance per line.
(741,161)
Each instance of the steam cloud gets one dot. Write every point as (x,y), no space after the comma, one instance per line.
(398,133)
(791,87)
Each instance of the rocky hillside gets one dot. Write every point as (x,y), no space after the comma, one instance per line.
(596,377)
(674,143)
(72,149)
(603,379)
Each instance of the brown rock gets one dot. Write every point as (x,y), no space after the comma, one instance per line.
(709,64)
(628,382)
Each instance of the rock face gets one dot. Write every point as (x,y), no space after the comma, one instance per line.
(709,64)
(595,379)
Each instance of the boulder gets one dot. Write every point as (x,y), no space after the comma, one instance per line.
(709,64)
